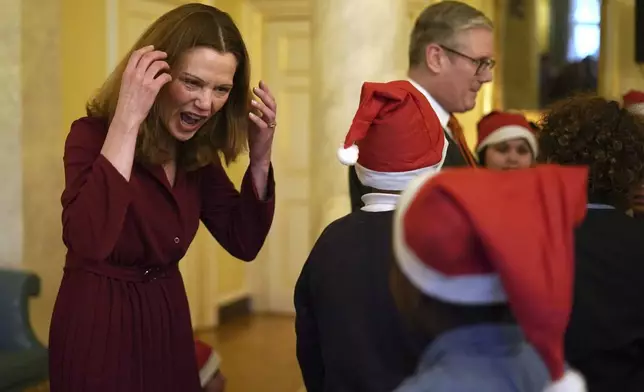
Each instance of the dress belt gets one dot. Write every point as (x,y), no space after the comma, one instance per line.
(129,274)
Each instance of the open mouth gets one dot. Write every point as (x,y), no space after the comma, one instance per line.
(190,119)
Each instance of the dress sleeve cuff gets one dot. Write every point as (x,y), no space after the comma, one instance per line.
(248,188)
(120,187)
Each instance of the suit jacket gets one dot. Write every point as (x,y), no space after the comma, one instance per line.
(605,336)
(350,335)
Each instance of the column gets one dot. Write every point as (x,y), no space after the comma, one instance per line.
(560,28)
(43,132)
(521,56)
(353,42)
(11,227)
(618,71)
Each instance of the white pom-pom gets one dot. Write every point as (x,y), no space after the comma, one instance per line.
(348,156)
(571,381)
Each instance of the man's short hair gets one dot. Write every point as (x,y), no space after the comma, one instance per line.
(440,23)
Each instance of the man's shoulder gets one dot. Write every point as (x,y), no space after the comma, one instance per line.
(348,237)
(359,222)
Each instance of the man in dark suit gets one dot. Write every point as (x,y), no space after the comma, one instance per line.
(451,57)
(350,336)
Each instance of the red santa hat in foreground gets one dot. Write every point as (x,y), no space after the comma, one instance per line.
(207,361)
(634,101)
(481,237)
(497,127)
(394,137)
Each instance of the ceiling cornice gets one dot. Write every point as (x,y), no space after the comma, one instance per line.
(302,8)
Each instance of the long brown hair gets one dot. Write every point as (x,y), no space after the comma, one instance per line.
(183,28)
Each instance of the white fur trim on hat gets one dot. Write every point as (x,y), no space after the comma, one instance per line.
(209,369)
(390,181)
(471,290)
(348,156)
(396,181)
(509,132)
(636,108)
(571,381)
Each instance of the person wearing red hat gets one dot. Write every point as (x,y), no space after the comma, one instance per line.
(395,136)
(490,257)
(633,101)
(451,54)
(210,376)
(350,335)
(506,141)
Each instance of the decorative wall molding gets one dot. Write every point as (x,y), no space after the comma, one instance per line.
(112,34)
(302,8)
(283,9)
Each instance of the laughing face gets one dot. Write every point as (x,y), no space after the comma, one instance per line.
(201,83)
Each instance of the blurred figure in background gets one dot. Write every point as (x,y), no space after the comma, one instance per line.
(208,362)
(633,101)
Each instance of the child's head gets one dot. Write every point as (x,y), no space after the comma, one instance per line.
(469,243)
(598,133)
(506,141)
(208,362)
(633,101)
(431,317)
(453,241)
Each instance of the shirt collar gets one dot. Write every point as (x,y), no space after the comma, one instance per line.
(476,340)
(441,113)
(379,202)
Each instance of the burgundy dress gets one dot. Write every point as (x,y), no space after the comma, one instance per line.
(121,320)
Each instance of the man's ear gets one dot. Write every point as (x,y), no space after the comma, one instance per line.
(434,59)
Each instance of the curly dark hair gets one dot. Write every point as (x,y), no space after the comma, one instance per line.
(592,131)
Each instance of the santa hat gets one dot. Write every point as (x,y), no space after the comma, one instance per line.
(634,101)
(207,361)
(480,237)
(395,136)
(497,127)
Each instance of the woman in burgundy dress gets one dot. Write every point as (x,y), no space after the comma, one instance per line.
(141,171)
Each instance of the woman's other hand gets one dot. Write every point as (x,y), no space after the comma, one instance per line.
(262,127)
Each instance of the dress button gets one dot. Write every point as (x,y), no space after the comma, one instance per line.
(176,240)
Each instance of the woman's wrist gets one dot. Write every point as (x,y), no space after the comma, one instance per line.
(262,165)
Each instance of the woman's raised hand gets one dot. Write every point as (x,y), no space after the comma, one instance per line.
(144,75)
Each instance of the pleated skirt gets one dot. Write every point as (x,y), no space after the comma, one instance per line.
(121,336)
